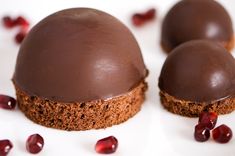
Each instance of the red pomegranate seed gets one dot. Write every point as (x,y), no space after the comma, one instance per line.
(201,133)
(222,134)
(150,14)
(21,21)
(5,147)
(20,37)
(8,22)
(106,145)
(7,102)
(139,19)
(34,143)
(209,119)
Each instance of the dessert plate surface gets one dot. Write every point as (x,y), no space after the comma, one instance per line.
(153,131)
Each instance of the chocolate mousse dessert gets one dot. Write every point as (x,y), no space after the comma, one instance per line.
(198,76)
(80,69)
(197,19)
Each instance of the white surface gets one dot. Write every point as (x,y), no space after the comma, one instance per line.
(152,132)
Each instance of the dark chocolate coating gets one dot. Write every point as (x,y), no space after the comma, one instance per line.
(196,19)
(79,55)
(198,71)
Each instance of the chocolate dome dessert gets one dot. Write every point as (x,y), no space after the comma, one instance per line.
(198,76)
(80,69)
(197,19)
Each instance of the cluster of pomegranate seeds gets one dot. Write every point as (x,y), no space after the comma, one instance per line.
(106,145)
(222,134)
(209,119)
(201,133)
(207,122)
(139,19)
(5,147)
(8,22)
(34,143)
(20,21)
(7,102)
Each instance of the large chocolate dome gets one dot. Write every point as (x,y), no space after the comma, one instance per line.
(79,54)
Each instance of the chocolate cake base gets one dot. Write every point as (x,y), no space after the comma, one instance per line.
(193,109)
(82,116)
(227,45)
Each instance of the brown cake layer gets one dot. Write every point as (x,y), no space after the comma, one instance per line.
(193,109)
(227,45)
(95,114)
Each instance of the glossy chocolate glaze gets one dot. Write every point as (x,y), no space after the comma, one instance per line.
(80,55)
(196,19)
(198,71)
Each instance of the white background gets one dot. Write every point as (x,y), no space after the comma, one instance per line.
(152,132)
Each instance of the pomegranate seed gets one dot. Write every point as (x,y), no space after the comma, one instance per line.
(20,37)
(222,134)
(8,22)
(21,21)
(150,14)
(106,145)
(5,147)
(209,119)
(34,143)
(7,102)
(201,133)
(139,19)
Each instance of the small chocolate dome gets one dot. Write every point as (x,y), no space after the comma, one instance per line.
(198,71)
(197,19)
(80,55)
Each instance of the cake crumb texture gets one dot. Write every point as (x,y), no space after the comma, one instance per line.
(193,109)
(77,116)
